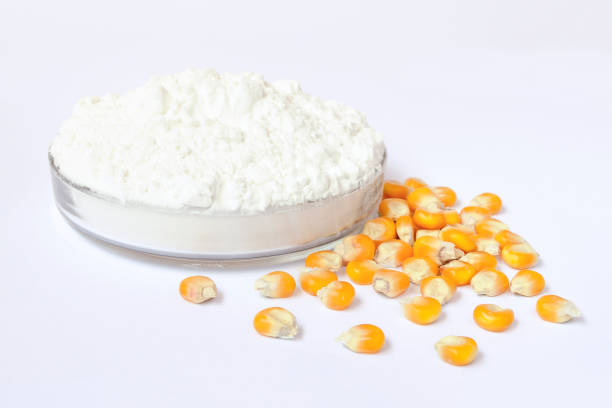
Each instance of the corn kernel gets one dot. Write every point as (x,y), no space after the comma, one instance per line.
(362,272)
(488,245)
(446,195)
(277,284)
(363,338)
(405,229)
(424,197)
(380,229)
(440,288)
(197,289)
(480,260)
(419,268)
(556,309)
(413,183)
(390,282)
(275,322)
(527,283)
(324,260)
(421,309)
(459,272)
(395,189)
(429,233)
(313,280)
(452,217)
(393,208)
(358,247)
(490,227)
(429,219)
(489,201)
(493,318)
(507,238)
(460,235)
(392,253)
(338,295)
(471,216)
(490,282)
(519,256)
(436,249)
(457,350)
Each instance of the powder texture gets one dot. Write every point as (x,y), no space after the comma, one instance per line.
(223,142)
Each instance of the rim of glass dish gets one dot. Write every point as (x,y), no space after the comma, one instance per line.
(204,211)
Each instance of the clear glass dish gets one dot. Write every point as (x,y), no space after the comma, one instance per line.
(188,236)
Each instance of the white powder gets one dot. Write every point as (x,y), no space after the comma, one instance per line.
(224,142)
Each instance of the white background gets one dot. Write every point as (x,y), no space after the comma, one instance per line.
(513,97)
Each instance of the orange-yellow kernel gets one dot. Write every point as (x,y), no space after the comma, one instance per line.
(405,229)
(556,309)
(480,260)
(452,217)
(413,183)
(363,338)
(440,288)
(358,247)
(324,260)
(489,201)
(527,283)
(506,237)
(362,272)
(277,284)
(421,309)
(392,253)
(438,250)
(393,208)
(446,195)
(419,268)
(490,282)
(431,220)
(395,189)
(338,295)
(471,216)
(380,229)
(390,282)
(459,272)
(424,197)
(488,245)
(197,289)
(490,227)
(493,318)
(313,280)
(276,322)
(519,256)
(460,235)
(457,350)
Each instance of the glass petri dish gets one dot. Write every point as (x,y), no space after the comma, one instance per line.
(191,237)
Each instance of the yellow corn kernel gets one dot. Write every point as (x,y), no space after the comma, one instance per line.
(556,309)
(438,250)
(405,229)
(488,245)
(313,280)
(197,289)
(395,189)
(424,197)
(440,288)
(429,219)
(490,227)
(457,350)
(413,183)
(393,208)
(527,283)
(363,338)
(459,272)
(460,235)
(277,284)
(338,295)
(421,309)
(471,216)
(493,318)
(489,201)
(275,322)
(490,282)
(452,217)
(425,232)
(507,238)
(480,260)
(362,272)
(390,282)
(446,195)
(519,256)
(356,248)
(324,260)
(392,253)
(419,268)
(380,229)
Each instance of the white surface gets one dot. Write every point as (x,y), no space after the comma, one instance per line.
(513,97)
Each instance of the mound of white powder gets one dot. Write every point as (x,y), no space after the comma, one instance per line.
(224,142)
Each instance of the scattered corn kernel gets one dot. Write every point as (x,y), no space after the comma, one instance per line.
(413,183)
(324,260)
(380,229)
(480,260)
(457,350)
(390,282)
(405,229)
(490,282)
(490,227)
(432,219)
(493,318)
(459,272)
(488,245)
(440,288)
(460,235)
(489,201)
(277,284)
(438,250)
(313,280)
(425,232)
(556,309)
(356,248)
(424,197)
(519,256)
(507,238)
(392,253)
(452,217)
(395,189)
(419,268)
(422,309)
(363,338)
(362,272)
(446,195)
(338,295)
(393,208)
(527,283)
(276,322)
(471,216)
(197,289)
